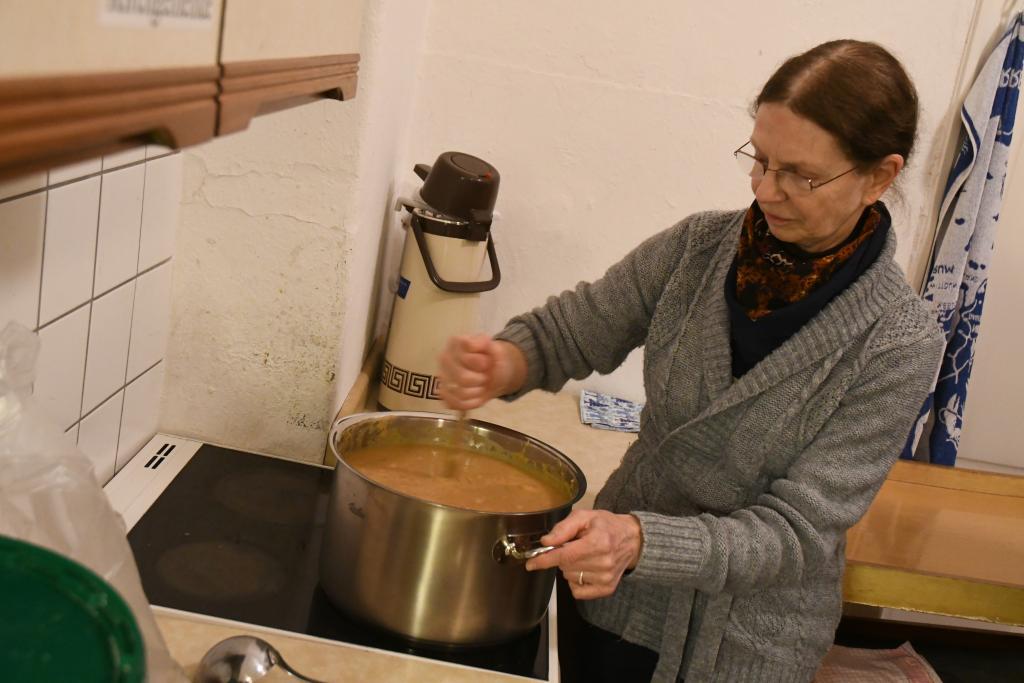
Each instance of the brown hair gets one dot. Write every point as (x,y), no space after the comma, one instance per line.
(856,91)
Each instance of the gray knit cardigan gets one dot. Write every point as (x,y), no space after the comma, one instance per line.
(744,488)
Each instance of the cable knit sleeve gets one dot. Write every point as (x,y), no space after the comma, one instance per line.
(799,522)
(596,325)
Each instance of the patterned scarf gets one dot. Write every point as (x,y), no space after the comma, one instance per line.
(771,274)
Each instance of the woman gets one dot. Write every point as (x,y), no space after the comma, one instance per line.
(785,359)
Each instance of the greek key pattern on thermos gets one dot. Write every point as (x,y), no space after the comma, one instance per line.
(408,382)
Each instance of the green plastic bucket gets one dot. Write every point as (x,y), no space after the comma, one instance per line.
(61,622)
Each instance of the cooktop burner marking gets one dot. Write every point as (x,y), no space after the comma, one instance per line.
(266,494)
(221,570)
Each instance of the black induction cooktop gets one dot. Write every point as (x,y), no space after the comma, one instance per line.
(237,536)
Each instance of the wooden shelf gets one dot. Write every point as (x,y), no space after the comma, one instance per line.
(251,88)
(55,120)
(50,121)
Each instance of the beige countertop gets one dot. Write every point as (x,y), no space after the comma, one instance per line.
(941,540)
(188,638)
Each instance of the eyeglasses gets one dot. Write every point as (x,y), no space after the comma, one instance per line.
(789,182)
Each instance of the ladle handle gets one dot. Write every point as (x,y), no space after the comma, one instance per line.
(299,677)
(279,660)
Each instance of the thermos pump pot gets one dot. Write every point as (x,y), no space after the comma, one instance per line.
(447,239)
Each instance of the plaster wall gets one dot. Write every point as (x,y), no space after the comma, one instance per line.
(278,246)
(609,125)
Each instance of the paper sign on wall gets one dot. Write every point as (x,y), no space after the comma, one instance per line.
(176,14)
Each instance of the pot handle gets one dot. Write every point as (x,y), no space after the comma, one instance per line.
(509,548)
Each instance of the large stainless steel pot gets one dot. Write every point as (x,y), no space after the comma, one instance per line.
(427,571)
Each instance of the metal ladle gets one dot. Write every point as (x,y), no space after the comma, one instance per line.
(242,659)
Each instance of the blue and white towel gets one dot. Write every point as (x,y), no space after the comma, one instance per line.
(955,288)
(609,412)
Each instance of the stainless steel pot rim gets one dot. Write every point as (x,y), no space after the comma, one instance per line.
(349,420)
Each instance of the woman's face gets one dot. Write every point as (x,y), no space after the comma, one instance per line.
(826,216)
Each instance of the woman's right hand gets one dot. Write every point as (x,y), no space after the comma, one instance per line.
(474,369)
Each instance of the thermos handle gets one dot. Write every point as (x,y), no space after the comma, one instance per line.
(456,287)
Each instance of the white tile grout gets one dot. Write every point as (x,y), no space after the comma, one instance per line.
(142,217)
(92,286)
(94,296)
(42,261)
(104,293)
(16,197)
(62,183)
(77,308)
(133,277)
(96,243)
(119,390)
(46,209)
(131,322)
(78,431)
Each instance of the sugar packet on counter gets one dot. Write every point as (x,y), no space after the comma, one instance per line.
(609,412)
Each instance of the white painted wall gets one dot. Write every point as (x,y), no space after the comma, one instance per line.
(278,247)
(609,124)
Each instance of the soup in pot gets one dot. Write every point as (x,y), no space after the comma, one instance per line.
(457,477)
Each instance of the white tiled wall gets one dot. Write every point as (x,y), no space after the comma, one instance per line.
(85,259)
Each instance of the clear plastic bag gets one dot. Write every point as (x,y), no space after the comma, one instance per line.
(50,497)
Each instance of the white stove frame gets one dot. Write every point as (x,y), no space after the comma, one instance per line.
(141,481)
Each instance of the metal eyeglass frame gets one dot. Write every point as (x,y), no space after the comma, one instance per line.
(811,187)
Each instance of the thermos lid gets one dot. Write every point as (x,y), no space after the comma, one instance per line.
(460,185)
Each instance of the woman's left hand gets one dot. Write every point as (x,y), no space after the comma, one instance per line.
(597,547)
